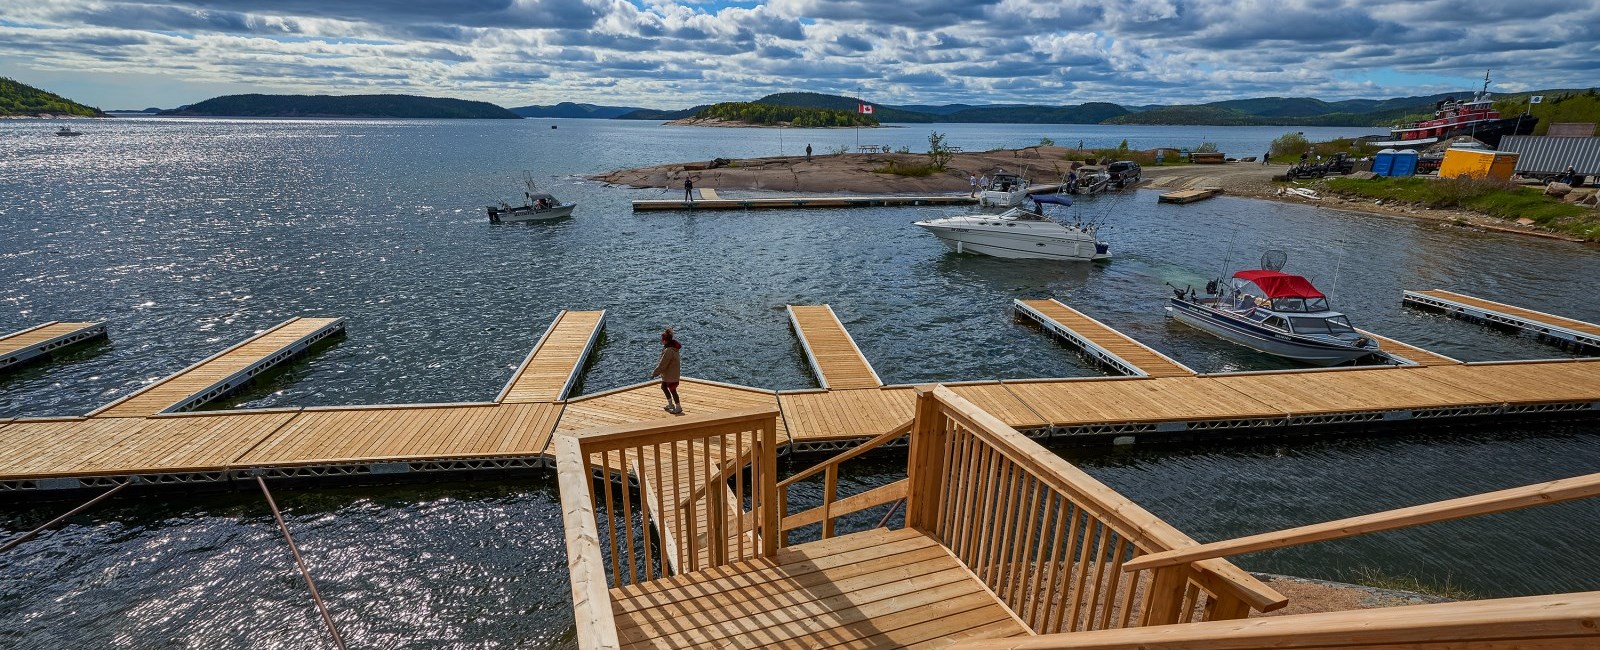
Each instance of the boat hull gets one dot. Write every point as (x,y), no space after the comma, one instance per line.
(516,215)
(1019,246)
(1235,330)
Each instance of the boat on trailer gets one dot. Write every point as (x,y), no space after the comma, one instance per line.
(1274,312)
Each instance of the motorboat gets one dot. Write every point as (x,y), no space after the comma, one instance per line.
(1021,233)
(1092,180)
(1274,312)
(536,206)
(66,131)
(1003,191)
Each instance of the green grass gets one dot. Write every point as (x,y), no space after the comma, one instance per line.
(1491,198)
(1374,578)
(906,169)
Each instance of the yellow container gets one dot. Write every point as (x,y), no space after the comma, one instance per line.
(1478,163)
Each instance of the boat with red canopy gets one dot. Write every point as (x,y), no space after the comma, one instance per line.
(1275,312)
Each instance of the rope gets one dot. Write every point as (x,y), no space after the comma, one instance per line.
(327,618)
(50,524)
(892,507)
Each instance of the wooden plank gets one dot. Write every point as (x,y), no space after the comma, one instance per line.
(552,367)
(591,603)
(832,352)
(1568,489)
(1530,315)
(1189,195)
(1115,349)
(1407,352)
(24,345)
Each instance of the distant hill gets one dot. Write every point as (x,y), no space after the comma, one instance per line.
(1091,113)
(401,106)
(17,98)
(847,104)
(659,115)
(777,114)
(569,109)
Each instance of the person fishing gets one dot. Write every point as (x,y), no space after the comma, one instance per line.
(667,370)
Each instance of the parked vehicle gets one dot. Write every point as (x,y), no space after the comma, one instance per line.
(1547,158)
(1124,172)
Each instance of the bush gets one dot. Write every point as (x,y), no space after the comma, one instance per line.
(839,150)
(1046,142)
(1493,198)
(1289,145)
(938,151)
(902,169)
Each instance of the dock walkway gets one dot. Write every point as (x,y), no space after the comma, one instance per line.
(22,346)
(1189,195)
(1405,353)
(1565,332)
(225,371)
(801,202)
(551,370)
(1112,348)
(834,356)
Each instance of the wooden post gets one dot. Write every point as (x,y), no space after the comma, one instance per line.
(1166,596)
(1225,607)
(924,461)
(830,488)
(767,460)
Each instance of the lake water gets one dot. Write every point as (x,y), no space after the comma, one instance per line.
(189,235)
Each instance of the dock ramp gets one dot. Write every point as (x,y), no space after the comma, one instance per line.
(1566,333)
(834,357)
(1114,349)
(552,368)
(26,345)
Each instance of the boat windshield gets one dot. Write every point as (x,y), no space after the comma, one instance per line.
(1329,325)
(1300,304)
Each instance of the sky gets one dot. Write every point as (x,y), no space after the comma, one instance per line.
(661,54)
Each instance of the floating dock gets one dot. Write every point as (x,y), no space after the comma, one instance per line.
(1189,196)
(1406,354)
(552,368)
(1111,348)
(833,354)
(801,202)
(226,371)
(1566,333)
(20,347)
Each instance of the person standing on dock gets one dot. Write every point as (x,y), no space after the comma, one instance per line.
(808,152)
(688,189)
(973,180)
(667,370)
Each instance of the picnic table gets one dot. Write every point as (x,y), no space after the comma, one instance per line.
(872,148)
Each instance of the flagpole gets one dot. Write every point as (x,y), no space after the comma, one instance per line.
(858,122)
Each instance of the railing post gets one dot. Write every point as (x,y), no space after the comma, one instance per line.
(924,462)
(1226,607)
(1166,595)
(767,461)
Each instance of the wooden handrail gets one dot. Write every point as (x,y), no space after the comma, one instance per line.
(1131,520)
(591,601)
(856,503)
(1567,489)
(1542,622)
(880,440)
(607,438)
(721,476)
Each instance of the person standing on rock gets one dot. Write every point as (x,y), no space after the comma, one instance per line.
(667,370)
(973,179)
(688,189)
(808,152)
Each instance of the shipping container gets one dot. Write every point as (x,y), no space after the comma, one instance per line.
(1478,163)
(1545,157)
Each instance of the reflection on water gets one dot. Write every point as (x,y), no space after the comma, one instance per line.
(189,235)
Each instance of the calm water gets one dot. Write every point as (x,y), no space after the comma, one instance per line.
(188,235)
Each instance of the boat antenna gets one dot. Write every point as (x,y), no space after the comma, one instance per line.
(1227,258)
(1336,268)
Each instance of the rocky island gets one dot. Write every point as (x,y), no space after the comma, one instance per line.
(391,106)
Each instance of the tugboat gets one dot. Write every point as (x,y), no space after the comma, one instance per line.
(537,206)
(1274,312)
(1453,118)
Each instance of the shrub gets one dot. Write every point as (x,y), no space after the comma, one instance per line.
(902,169)
(1046,142)
(938,151)
(1289,145)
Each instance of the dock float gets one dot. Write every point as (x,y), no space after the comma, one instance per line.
(226,371)
(1111,348)
(26,345)
(1566,333)
(834,356)
(1406,354)
(551,370)
(782,203)
(1189,196)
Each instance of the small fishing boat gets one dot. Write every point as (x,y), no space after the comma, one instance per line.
(1019,233)
(1274,312)
(536,206)
(66,131)
(1004,190)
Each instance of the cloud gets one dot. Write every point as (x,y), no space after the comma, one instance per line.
(675,53)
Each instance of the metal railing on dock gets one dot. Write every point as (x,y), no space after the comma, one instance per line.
(1567,333)
(20,347)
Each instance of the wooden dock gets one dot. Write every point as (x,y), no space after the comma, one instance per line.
(552,368)
(1405,353)
(1567,333)
(226,371)
(834,356)
(802,202)
(22,346)
(1189,196)
(1111,348)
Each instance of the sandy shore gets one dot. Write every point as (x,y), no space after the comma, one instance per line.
(856,174)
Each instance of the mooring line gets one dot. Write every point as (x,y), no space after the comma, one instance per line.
(327,618)
(50,524)
(892,508)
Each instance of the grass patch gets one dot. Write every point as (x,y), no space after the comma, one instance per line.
(1492,198)
(897,168)
(1370,577)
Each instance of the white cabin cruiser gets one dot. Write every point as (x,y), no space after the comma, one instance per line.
(1004,191)
(1273,312)
(1020,234)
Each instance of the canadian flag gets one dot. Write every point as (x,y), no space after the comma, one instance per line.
(866,109)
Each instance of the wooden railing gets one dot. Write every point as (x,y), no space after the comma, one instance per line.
(832,507)
(1048,539)
(692,489)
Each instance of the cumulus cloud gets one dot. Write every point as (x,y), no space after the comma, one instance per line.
(674,53)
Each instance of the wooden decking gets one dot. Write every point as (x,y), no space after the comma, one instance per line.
(1189,196)
(1566,332)
(801,202)
(874,589)
(225,371)
(644,402)
(1406,353)
(22,346)
(834,357)
(1108,346)
(552,368)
